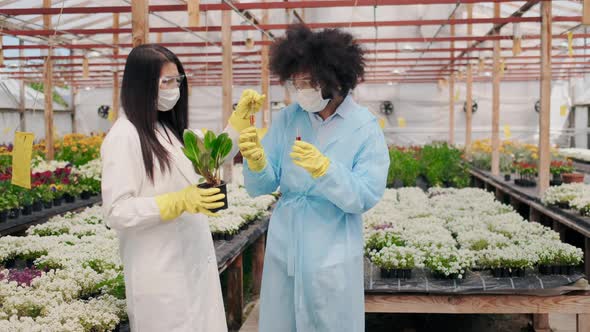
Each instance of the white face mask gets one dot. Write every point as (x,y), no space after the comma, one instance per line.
(167,99)
(311,100)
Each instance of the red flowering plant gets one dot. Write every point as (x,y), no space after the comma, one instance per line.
(561,166)
(525,169)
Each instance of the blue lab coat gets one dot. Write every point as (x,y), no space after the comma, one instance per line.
(313,268)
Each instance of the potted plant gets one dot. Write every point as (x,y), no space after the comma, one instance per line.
(526,173)
(559,167)
(8,201)
(207,155)
(506,166)
(46,196)
(71,191)
(396,262)
(37,194)
(26,200)
(57,194)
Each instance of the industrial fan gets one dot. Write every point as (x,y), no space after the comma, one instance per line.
(386,107)
(473,107)
(103,111)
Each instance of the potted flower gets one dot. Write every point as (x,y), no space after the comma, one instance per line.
(526,173)
(46,196)
(559,258)
(559,167)
(207,155)
(57,194)
(12,206)
(71,191)
(396,262)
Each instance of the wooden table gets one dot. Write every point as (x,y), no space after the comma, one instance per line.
(527,198)
(230,259)
(540,306)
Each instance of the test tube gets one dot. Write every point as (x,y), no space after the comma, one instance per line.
(298,135)
(252,119)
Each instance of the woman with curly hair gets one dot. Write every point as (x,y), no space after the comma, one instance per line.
(329,158)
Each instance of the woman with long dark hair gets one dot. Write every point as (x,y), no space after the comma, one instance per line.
(151,199)
(330,159)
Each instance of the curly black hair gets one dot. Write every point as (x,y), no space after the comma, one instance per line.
(331,56)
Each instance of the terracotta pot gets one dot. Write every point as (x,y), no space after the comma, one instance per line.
(572,177)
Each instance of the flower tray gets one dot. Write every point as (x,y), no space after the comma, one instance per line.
(396,273)
(222,236)
(525,182)
(3,216)
(454,276)
(557,269)
(505,272)
(48,205)
(57,201)
(555,183)
(85,195)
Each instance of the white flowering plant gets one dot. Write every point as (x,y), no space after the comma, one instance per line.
(395,257)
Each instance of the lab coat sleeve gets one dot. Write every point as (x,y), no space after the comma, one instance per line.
(122,174)
(267,181)
(358,190)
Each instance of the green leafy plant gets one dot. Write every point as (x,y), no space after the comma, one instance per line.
(403,166)
(443,165)
(114,287)
(8,200)
(207,154)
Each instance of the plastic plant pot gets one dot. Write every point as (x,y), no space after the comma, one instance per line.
(222,190)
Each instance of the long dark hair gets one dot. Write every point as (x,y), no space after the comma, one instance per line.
(139,98)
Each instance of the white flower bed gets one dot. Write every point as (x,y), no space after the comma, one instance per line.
(81,257)
(451,230)
(40,165)
(580,154)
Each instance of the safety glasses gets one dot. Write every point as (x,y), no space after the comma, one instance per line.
(171,82)
(299,84)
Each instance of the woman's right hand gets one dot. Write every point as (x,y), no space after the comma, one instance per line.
(192,199)
(252,149)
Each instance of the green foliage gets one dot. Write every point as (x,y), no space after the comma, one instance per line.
(9,198)
(440,163)
(403,166)
(114,287)
(207,154)
(99,265)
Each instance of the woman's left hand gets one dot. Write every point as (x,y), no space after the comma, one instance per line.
(249,104)
(308,157)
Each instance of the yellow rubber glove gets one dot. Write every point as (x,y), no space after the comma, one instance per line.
(251,149)
(310,158)
(191,199)
(250,103)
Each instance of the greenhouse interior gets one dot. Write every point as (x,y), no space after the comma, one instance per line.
(294,165)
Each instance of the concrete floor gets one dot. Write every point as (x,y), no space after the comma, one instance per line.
(454,323)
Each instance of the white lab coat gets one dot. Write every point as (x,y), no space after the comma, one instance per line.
(171,277)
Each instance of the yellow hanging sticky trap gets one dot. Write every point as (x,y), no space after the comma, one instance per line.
(507,133)
(261,132)
(516,46)
(401,122)
(570,43)
(382,123)
(457,95)
(85,68)
(563,110)
(111,116)
(21,159)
